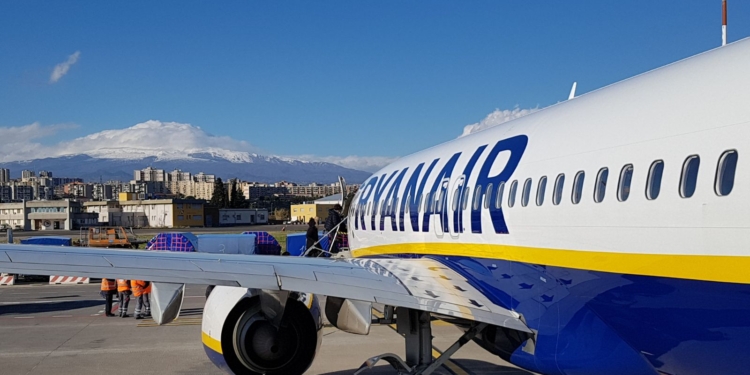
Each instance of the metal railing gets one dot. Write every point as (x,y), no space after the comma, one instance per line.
(321,251)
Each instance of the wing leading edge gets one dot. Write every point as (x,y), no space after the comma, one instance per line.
(422,284)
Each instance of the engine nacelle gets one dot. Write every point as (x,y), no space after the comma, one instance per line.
(239,338)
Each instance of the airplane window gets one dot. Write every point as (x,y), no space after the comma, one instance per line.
(440,199)
(559,183)
(512,193)
(526,192)
(456,197)
(422,203)
(406,204)
(601,184)
(578,187)
(487,196)
(626,176)
(433,201)
(689,176)
(465,203)
(540,190)
(499,200)
(653,186)
(725,173)
(477,196)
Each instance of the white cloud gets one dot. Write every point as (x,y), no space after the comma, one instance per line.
(62,68)
(20,142)
(362,163)
(496,118)
(152,137)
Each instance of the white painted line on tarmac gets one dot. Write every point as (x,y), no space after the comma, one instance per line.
(62,316)
(24,317)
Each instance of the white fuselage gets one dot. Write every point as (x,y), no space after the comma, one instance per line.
(699,106)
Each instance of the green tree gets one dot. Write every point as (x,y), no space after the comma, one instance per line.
(237,198)
(219,196)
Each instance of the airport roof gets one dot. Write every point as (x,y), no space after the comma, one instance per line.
(331,199)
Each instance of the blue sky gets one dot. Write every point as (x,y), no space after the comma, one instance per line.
(362,78)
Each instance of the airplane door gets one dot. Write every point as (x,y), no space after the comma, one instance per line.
(440,214)
(455,214)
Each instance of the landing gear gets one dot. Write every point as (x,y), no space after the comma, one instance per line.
(415,326)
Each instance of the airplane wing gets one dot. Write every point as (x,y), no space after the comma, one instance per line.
(423,284)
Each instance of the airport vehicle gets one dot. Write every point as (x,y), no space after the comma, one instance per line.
(608,234)
(111,237)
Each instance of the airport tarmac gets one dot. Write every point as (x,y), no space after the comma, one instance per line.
(61,329)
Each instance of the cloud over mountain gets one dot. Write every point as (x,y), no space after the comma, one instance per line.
(151,139)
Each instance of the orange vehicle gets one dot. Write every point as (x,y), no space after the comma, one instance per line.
(108,237)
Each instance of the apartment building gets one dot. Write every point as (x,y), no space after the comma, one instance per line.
(14,215)
(166,213)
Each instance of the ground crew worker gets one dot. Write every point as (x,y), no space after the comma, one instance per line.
(123,291)
(147,299)
(137,286)
(109,289)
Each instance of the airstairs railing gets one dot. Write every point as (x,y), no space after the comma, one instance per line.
(320,251)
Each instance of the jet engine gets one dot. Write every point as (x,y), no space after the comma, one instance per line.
(250,331)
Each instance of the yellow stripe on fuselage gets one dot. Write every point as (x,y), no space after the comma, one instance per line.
(212,343)
(719,268)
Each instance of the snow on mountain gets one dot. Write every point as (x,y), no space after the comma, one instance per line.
(114,154)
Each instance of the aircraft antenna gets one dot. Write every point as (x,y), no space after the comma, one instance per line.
(724,22)
(573,91)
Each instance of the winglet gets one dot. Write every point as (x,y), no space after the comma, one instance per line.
(572,91)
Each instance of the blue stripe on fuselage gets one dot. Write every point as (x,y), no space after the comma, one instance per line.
(604,323)
(217,359)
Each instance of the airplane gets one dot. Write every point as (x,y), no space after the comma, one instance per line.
(606,234)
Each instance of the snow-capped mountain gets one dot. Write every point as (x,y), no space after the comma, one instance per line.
(119,164)
(114,154)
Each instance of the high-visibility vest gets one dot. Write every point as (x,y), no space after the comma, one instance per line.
(122,285)
(108,285)
(148,288)
(137,286)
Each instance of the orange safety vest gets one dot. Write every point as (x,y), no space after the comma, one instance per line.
(108,285)
(148,289)
(137,286)
(122,285)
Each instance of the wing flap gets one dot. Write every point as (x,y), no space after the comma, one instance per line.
(423,284)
